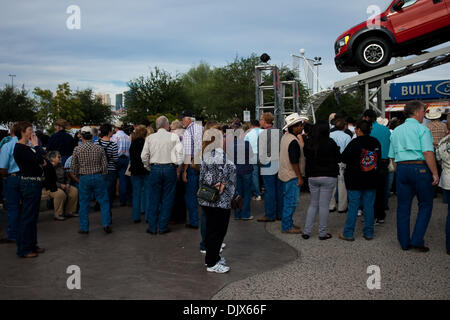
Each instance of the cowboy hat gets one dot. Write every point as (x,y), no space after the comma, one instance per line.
(382,121)
(293,119)
(433,113)
(62,123)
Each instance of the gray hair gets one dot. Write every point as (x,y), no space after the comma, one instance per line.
(161,122)
(53,154)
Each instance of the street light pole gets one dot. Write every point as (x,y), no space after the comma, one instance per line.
(12,79)
(317,63)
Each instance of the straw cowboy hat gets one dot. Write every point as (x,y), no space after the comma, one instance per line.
(382,121)
(292,119)
(433,113)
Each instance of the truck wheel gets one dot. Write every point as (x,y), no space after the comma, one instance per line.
(373,53)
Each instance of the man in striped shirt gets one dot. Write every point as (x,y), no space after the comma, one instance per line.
(89,164)
(192,145)
(123,145)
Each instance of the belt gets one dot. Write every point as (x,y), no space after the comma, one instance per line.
(163,164)
(412,162)
(384,160)
(15,174)
(91,174)
(32,178)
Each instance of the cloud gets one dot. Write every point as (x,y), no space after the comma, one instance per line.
(119,40)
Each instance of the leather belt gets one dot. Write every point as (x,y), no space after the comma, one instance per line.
(32,178)
(15,174)
(412,162)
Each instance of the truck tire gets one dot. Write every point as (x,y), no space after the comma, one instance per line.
(373,53)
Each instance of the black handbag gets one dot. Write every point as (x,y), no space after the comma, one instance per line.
(208,193)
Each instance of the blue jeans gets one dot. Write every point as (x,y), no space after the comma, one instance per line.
(387,191)
(163,180)
(447,225)
(291,195)
(244,189)
(413,180)
(11,190)
(124,180)
(30,195)
(139,196)
(366,198)
(190,196)
(93,185)
(273,198)
(110,180)
(256,190)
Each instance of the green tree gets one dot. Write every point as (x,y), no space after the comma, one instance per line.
(78,108)
(157,93)
(198,83)
(61,106)
(348,104)
(16,105)
(92,108)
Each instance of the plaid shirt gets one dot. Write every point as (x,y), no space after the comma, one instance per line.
(89,159)
(438,131)
(123,143)
(192,140)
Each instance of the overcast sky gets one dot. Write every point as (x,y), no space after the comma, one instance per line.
(121,40)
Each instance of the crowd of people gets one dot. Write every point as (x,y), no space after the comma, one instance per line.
(197,173)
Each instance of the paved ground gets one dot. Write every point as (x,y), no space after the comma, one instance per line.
(131,264)
(337,269)
(266,264)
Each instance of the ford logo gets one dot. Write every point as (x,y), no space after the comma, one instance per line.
(444,88)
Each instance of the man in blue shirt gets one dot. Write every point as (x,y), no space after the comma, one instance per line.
(342,139)
(252,138)
(383,135)
(9,172)
(413,152)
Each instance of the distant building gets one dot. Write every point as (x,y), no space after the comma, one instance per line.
(105,98)
(119,102)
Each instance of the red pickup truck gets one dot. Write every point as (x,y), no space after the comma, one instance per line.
(406,27)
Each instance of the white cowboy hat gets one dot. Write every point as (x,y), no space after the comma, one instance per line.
(382,121)
(294,118)
(433,113)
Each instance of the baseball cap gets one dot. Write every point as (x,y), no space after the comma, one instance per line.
(86,129)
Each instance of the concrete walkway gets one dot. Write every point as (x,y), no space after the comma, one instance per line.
(132,264)
(265,264)
(337,269)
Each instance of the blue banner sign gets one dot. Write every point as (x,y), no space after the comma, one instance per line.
(420,90)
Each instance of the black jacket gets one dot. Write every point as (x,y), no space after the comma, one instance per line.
(50,178)
(62,142)
(362,157)
(136,166)
(324,163)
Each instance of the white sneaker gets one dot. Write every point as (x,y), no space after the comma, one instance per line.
(218,268)
(258,198)
(222,261)
(360,213)
(223,245)
(203,251)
